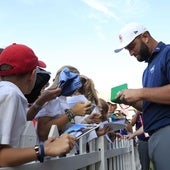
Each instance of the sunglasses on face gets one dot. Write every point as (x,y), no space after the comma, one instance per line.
(131,46)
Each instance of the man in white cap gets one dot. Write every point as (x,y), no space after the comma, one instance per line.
(154,98)
(128,34)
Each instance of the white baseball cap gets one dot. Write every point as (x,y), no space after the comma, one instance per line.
(128,34)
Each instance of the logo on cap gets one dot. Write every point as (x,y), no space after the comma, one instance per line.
(120,38)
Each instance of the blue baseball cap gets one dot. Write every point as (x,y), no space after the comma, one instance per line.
(69,82)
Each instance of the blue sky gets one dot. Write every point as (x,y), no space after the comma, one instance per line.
(84,33)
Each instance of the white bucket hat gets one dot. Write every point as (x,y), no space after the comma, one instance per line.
(128,34)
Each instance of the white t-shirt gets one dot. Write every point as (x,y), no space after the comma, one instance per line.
(54,108)
(72,100)
(13,109)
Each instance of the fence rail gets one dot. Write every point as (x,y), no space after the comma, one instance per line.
(118,155)
(101,155)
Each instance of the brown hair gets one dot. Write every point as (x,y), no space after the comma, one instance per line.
(104,108)
(88,89)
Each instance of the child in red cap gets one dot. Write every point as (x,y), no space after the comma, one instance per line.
(18,65)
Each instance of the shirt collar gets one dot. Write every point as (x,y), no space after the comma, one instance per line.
(157,49)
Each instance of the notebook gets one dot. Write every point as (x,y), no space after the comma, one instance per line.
(116,90)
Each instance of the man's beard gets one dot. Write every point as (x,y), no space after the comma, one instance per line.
(144,53)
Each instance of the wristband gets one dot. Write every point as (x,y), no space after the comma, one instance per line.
(42,153)
(69,114)
(37,107)
(39,151)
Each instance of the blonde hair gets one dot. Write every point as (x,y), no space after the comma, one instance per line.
(88,89)
(56,79)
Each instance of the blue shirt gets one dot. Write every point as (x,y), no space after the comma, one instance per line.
(157,74)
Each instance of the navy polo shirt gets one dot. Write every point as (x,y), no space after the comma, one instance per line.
(157,74)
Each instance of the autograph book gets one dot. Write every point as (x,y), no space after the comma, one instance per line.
(79,130)
(116,124)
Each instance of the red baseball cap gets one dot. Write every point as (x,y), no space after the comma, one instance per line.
(21,58)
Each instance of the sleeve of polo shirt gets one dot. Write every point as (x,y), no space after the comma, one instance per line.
(168,63)
(8,111)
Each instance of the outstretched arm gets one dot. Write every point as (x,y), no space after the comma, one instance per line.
(46,96)
(136,133)
(52,147)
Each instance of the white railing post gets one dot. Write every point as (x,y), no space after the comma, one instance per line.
(132,155)
(53,131)
(102,146)
(29,136)
(82,146)
(92,148)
